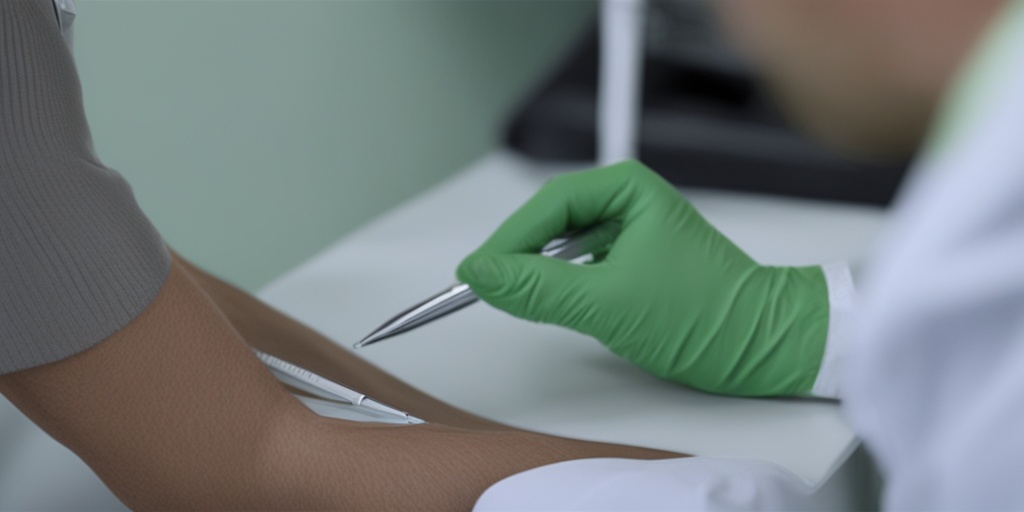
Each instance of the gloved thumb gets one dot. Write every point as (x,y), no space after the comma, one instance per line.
(529,286)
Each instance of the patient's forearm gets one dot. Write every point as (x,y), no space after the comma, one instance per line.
(271,331)
(175,412)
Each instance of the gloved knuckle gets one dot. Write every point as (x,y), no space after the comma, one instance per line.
(566,181)
(631,169)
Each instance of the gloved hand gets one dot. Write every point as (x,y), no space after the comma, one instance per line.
(673,295)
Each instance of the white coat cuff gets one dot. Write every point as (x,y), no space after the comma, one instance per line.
(695,483)
(841,303)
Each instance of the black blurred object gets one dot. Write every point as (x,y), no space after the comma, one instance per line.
(706,122)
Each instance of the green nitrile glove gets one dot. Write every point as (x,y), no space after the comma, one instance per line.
(673,295)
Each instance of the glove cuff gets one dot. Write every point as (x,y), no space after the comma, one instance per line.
(841,305)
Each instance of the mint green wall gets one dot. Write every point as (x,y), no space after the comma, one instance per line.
(257,132)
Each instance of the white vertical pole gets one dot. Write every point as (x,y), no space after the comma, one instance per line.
(620,77)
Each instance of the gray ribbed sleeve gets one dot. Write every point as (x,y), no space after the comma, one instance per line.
(78,259)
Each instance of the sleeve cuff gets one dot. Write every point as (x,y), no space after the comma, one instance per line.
(841,305)
(694,483)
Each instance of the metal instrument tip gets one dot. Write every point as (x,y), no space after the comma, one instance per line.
(365,341)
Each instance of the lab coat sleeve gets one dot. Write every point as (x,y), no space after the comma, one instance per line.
(936,389)
(695,483)
(936,386)
(78,259)
(841,302)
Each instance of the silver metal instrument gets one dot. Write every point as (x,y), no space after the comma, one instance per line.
(328,398)
(580,247)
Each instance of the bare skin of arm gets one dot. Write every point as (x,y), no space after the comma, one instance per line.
(175,412)
(273,332)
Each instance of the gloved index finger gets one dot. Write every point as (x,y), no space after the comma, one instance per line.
(567,202)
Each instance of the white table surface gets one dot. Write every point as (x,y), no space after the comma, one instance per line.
(547,378)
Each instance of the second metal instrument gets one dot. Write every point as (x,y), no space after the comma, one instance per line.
(580,247)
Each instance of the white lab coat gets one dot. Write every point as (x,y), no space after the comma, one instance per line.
(932,372)
(936,387)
